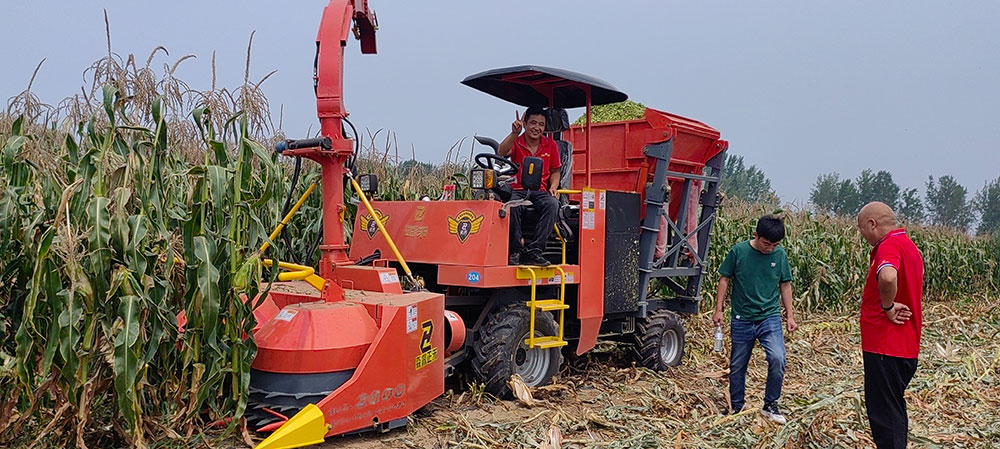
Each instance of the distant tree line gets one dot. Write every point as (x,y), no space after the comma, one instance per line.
(944,201)
(746,182)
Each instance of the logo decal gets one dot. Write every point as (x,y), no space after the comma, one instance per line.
(369,225)
(773,264)
(428,353)
(464,224)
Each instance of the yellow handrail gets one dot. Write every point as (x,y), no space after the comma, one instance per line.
(296,271)
(381,228)
(562,296)
(531,308)
(288,216)
(561,239)
(569,191)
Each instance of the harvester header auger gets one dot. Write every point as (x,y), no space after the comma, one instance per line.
(343,349)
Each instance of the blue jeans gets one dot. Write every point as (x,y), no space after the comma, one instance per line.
(744,334)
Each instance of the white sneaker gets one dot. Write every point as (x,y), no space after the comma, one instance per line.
(770,411)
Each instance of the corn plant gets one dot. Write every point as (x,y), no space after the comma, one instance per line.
(829,258)
(102,254)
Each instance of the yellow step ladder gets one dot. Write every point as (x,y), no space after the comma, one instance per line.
(545,305)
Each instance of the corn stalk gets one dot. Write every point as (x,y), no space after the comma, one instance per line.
(101,255)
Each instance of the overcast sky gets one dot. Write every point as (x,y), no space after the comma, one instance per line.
(798,88)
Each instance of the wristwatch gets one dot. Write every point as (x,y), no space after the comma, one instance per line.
(885,309)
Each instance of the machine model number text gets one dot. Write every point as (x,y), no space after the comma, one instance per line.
(376,396)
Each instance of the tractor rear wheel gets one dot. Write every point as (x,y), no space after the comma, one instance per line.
(659,340)
(500,350)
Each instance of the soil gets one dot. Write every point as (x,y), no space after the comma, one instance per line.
(603,400)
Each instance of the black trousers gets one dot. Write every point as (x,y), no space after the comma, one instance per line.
(546,207)
(886,379)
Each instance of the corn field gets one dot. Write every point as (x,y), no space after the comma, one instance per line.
(142,199)
(829,258)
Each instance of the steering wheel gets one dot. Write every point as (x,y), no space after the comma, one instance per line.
(499,164)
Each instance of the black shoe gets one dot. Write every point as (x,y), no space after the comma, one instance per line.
(514,259)
(534,258)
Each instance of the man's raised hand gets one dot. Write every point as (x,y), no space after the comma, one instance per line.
(518,125)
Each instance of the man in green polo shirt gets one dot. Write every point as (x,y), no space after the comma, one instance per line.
(761,280)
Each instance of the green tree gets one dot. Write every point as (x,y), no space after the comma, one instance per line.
(947,204)
(747,183)
(911,208)
(415,167)
(987,203)
(833,195)
(877,187)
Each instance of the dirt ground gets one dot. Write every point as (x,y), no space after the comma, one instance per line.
(602,401)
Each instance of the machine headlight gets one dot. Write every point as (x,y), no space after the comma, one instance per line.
(476,178)
(481,178)
(368,183)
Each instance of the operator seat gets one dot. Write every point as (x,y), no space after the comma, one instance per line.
(556,122)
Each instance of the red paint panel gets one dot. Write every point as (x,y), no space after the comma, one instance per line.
(496,277)
(314,337)
(368,278)
(590,304)
(617,158)
(437,232)
(396,376)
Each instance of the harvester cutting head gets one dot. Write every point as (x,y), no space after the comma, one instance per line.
(345,350)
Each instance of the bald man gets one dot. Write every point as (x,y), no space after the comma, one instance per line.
(890,322)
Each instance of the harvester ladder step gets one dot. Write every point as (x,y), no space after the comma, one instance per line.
(549,342)
(545,305)
(548,305)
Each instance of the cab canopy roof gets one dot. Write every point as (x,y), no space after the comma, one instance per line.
(533,85)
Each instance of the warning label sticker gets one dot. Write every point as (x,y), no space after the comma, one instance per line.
(388,277)
(286,315)
(603,200)
(411,318)
(587,220)
(588,199)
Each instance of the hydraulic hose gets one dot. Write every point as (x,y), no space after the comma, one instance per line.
(288,204)
(357,145)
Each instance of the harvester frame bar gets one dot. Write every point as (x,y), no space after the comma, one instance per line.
(666,266)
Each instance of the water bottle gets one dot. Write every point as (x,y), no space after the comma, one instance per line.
(718,338)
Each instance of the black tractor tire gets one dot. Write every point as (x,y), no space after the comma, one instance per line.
(500,350)
(659,340)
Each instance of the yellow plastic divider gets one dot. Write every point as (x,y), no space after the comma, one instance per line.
(306,428)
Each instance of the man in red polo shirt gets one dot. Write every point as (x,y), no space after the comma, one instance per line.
(518,146)
(891,321)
